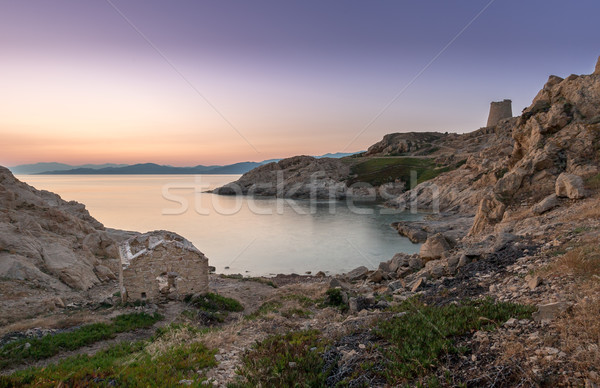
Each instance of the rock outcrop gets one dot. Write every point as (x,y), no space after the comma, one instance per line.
(552,148)
(435,247)
(402,143)
(48,247)
(295,177)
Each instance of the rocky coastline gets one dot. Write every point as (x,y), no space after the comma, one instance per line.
(514,224)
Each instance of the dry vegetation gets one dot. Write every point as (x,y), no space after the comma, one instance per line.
(576,332)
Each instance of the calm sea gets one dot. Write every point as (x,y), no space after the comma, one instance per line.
(239,234)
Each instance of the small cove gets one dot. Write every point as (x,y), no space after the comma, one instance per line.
(243,235)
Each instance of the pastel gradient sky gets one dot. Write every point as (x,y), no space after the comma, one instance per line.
(79,84)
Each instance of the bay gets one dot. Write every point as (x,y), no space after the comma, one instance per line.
(240,234)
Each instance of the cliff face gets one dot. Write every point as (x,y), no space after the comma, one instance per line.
(48,248)
(522,157)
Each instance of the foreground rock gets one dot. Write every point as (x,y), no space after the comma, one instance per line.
(570,186)
(49,248)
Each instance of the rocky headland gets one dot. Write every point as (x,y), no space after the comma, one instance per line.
(504,291)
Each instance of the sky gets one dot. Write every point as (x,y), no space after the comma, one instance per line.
(216,82)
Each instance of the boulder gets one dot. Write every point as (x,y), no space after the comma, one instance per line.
(335,283)
(396,285)
(385,266)
(104,273)
(533,281)
(570,185)
(436,268)
(399,260)
(490,212)
(546,204)
(359,273)
(360,303)
(510,183)
(415,263)
(452,263)
(376,277)
(434,247)
(547,312)
(414,233)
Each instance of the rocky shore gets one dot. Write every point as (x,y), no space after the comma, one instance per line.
(504,292)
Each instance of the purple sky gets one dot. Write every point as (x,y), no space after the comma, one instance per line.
(79,84)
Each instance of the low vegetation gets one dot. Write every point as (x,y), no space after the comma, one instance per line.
(49,345)
(420,335)
(264,281)
(582,261)
(126,364)
(214,308)
(377,171)
(290,360)
(335,298)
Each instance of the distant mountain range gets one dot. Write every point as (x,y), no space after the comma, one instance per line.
(44,167)
(144,168)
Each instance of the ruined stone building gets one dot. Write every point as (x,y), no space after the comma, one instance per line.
(161,265)
(499,110)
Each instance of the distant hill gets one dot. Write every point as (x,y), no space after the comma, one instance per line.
(153,168)
(43,167)
(338,155)
(146,168)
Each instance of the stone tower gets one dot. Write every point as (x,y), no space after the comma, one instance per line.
(499,110)
(597,70)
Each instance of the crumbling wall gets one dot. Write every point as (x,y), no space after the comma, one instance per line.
(161,265)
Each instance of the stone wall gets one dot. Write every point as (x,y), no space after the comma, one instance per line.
(499,110)
(157,266)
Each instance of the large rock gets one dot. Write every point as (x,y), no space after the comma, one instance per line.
(546,204)
(510,183)
(490,212)
(434,247)
(570,185)
(49,248)
(359,273)
(414,233)
(436,268)
(549,311)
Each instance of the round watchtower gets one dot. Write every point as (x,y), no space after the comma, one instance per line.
(499,110)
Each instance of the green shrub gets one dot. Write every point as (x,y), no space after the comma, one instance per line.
(291,360)
(216,303)
(334,297)
(420,336)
